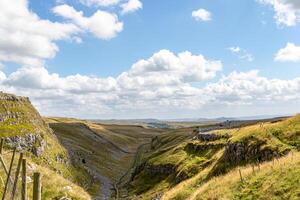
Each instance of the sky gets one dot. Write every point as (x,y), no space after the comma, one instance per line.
(121,59)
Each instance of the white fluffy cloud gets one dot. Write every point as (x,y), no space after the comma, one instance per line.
(249,87)
(27,39)
(287,12)
(290,52)
(161,85)
(102,24)
(99,2)
(201,15)
(241,53)
(39,78)
(131,6)
(165,67)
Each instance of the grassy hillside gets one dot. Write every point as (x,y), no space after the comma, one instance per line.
(54,185)
(176,164)
(105,151)
(277,180)
(21,126)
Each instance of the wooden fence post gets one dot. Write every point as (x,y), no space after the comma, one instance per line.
(117,191)
(1,145)
(241,177)
(37,189)
(24,180)
(2,160)
(8,175)
(17,176)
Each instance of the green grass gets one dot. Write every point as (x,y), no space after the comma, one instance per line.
(109,150)
(20,118)
(200,166)
(53,184)
(273,180)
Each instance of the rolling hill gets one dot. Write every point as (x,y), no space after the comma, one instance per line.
(83,159)
(177,164)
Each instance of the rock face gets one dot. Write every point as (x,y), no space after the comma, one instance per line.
(208,136)
(32,143)
(21,124)
(159,170)
(192,147)
(239,152)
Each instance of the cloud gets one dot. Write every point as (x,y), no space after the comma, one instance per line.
(249,87)
(102,24)
(163,79)
(27,39)
(287,12)
(201,15)
(103,3)
(159,86)
(166,68)
(131,6)
(40,78)
(235,49)
(163,69)
(241,53)
(290,53)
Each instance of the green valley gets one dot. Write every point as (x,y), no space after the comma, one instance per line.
(85,159)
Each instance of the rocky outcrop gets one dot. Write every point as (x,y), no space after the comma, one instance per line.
(33,143)
(243,152)
(159,170)
(11,97)
(200,147)
(208,136)
(22,126)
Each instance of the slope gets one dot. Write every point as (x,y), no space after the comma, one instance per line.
(105,151)
(175,164)
(22,127)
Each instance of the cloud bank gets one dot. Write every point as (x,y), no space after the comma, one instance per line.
(157,86)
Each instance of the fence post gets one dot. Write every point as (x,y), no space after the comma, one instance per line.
(17,176)
(241,177)
(8,175)
(117,191)
(2,160)
(37,189)
(24,180)
(1,145)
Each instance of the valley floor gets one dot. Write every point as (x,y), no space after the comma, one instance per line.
(104,151)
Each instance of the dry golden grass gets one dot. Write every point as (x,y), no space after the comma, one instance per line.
(185,188)
(223,187)
(53,184)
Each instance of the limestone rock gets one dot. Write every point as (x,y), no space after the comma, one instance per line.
(30,142)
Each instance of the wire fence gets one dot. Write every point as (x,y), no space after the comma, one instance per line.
(13,189)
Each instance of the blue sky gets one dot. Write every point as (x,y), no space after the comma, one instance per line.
(169,25)
(242,35)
